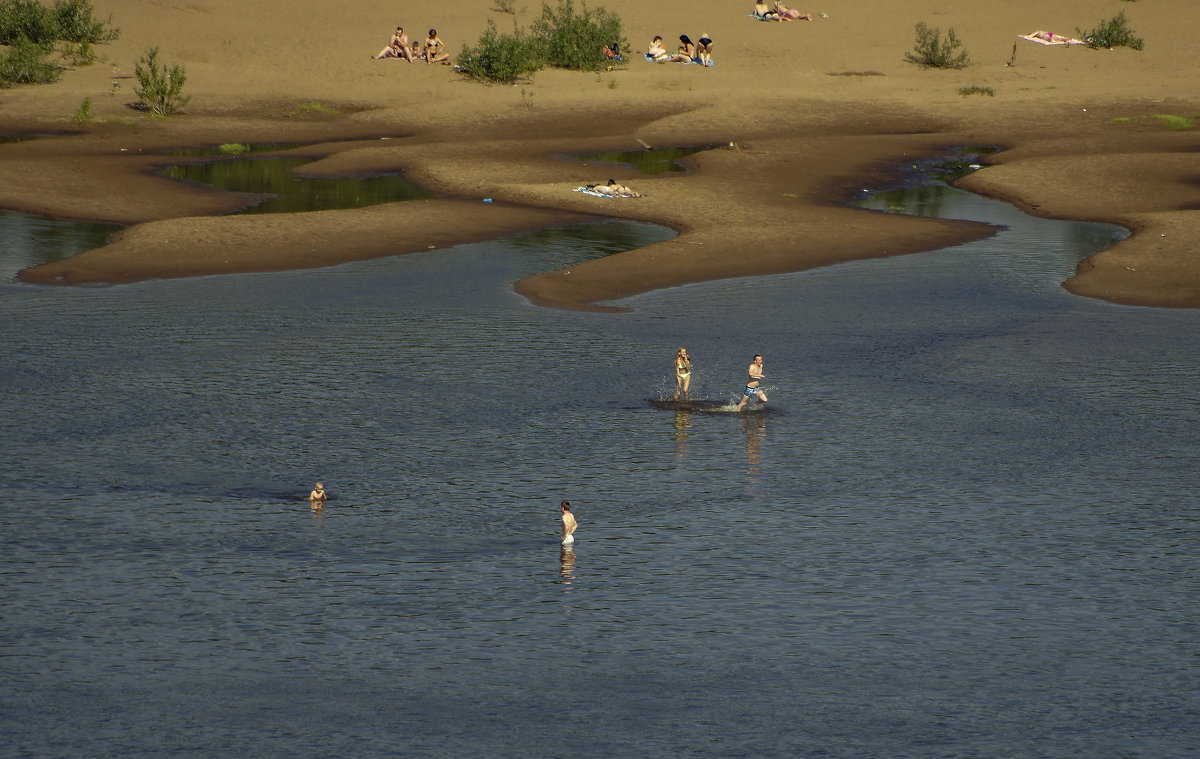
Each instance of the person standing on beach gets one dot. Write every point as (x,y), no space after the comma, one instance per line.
(683,373)
(568,523)
(754,383)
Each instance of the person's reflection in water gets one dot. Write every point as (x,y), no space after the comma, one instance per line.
(682,423)
(755,427)
(566,570)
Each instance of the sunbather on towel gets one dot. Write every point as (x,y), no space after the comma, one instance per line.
(687,50)
(764,12)
(791,14)
(656,52)
(615,190)
(1049,36)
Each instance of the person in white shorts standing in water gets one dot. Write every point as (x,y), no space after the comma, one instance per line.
(569,523)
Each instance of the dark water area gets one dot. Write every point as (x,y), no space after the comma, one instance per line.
(289,192)
(234,148)
(28,240)
(9,139)
(966,527)
(650,161)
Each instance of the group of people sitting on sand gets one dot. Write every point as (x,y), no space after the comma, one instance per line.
(432,51)
(778,12)
(688,51)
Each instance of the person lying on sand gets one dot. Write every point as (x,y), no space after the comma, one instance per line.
(1052,38)
(614,190)
(397,48)
(656,52)
(435,49)
(791,14)
(763,12)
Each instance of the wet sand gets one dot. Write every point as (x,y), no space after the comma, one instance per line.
(804,114)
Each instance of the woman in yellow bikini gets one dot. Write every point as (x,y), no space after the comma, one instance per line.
(683,372)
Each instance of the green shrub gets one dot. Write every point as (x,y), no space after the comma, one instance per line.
(576,40)
(1111,33)
(934,51)
(161,89)
(25,63)
(233,148)
(500,57)
(28,20)
(67,20)
(75,21)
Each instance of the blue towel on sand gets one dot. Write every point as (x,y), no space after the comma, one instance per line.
(694,60)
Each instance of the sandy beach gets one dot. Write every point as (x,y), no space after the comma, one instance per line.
(800,115)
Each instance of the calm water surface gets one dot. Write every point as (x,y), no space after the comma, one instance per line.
(968,528)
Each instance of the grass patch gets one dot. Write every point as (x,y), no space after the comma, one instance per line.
(319,108)
(932,50)
(975,90)
(233,148)
(1170,121)
(1110,33)
(83,114)
(1179,123)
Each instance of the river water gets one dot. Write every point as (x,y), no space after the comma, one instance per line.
(965,527)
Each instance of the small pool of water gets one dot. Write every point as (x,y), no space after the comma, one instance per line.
(236,149)
(649,162)
(9,139)
(29,240)
(293,193)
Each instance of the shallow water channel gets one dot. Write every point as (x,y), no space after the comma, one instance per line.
(969,531)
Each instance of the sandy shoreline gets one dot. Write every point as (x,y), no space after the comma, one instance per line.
(811,117)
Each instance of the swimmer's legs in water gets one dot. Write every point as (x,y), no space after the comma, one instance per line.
(745,398)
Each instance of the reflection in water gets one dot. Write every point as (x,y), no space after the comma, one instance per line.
(30,240)
(566,570)
(653,161)
(754,426)
(682,423)
(294,193)
(262,147)
(916,201)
